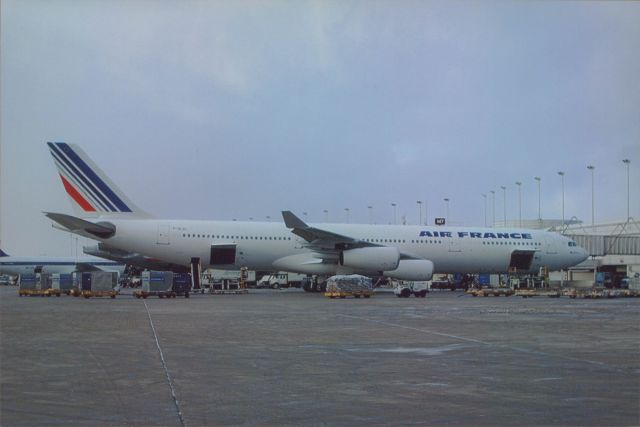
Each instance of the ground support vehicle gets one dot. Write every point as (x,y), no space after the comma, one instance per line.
(403,289)
(97,284)
(281,280)
(528,293)
(164,284)
(99,294)
(228,287)
(314,284)
(181,285)
(342,286)
(358,294)
(496,292)
(61,284)
(33,285)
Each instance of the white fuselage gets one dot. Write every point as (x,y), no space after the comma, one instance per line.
(272,246)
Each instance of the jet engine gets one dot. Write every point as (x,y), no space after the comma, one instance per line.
(412,269)
(371,259)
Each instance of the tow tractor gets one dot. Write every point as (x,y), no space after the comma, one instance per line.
(403,289)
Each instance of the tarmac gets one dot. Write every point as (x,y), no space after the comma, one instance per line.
(274,358)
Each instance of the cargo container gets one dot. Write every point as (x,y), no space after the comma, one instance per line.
(342,286)
(164,284)
(98,284)
(62,283)
(28,285)
(181,284)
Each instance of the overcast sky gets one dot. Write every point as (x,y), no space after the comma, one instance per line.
(238,109)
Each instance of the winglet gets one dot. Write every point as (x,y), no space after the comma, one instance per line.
(292,221)
(3,253)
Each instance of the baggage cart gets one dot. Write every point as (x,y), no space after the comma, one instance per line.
(61,284)
(28,285)
(354,285)
(98,284)
(164,284)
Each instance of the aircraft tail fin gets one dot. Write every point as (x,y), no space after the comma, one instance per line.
(91,192)
(3,253)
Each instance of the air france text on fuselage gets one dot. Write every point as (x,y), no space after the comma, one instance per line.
(476,235)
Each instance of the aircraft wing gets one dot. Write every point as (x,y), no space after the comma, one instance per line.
(326,242)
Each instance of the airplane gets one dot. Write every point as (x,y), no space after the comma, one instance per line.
(16,265)
(400,252)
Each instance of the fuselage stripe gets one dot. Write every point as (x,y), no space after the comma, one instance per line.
(78,175)
(75,195)
(63,169)
(95,179)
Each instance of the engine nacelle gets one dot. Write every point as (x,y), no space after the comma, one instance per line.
(412,269)
(371,259)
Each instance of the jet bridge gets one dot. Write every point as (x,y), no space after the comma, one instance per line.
(601,245)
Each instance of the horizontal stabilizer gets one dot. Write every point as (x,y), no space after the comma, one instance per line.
(102,230)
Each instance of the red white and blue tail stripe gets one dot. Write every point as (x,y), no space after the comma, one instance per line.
(92,192)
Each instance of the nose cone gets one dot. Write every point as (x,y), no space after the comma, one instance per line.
(582,254)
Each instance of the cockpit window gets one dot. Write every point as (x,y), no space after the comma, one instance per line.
(572,244)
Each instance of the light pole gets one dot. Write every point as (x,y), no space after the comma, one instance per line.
(370,214)
(395,213)
(627,162)
(493,197)
(268,217)
(419,202)
(305,216)
(326,215)
(519,184)
(504,202)
(347,211)
(426,212)
(562,176)
(484,197)
(537,178)
(446,201)
(593,205)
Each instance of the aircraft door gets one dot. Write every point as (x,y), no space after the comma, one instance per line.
(550,245)
(163,234)
(222,255)
(455,246)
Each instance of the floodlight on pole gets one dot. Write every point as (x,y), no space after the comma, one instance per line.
(562,176)
(493,210)
(395,213)
(593,205)
(537,178)
(627,162)
(446,201)
(519,184)
(504,202)
(419,202)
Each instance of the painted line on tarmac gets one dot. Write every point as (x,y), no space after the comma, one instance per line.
(164,366)
(487,343)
